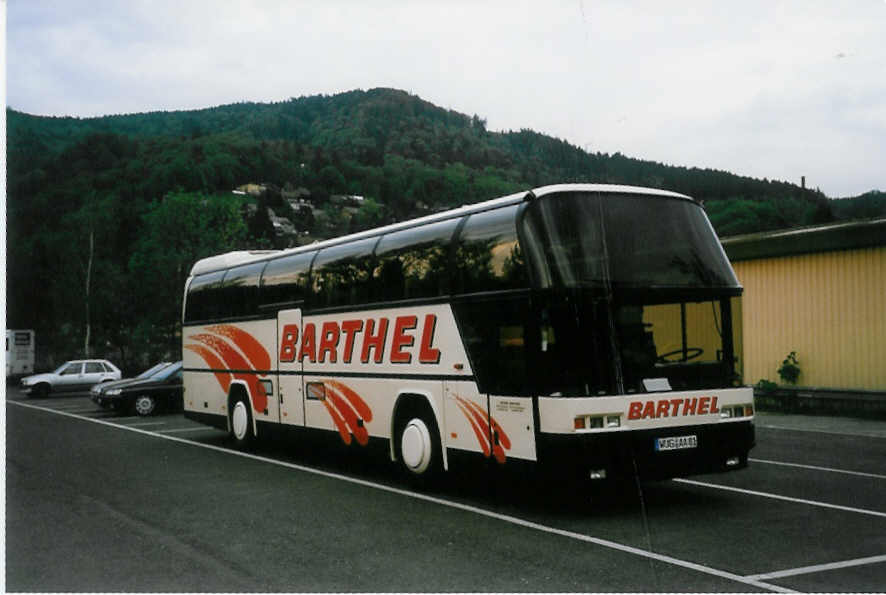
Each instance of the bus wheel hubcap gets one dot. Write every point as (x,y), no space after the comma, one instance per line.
(240,420)
(415,446)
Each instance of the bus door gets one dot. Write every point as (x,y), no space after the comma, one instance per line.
(289,368)
(499,427)
(467,418)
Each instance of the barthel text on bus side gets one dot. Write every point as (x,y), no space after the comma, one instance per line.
(372,335)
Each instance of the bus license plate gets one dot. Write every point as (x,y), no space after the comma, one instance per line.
(676,442)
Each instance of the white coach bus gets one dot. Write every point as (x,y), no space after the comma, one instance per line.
(590,327)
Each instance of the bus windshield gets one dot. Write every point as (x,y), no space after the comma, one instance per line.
(635,295)
(588,240)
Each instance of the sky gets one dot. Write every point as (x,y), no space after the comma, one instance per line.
(761,88)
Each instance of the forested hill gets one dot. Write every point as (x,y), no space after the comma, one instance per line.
(106,215)
(383,143)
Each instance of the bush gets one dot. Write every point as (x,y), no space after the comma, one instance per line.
(766,386)
(790,368)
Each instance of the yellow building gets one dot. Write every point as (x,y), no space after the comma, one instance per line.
(818,291)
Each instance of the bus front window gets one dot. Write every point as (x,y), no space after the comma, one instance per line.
(638,294)
(690,344)
(572,356)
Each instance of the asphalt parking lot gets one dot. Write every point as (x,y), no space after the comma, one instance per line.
(99,502)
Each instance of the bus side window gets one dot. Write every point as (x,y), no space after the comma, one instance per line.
(202,299)
(414,263)
(494,333)
(488,256)
(342,275)
(285,280)
(239,293)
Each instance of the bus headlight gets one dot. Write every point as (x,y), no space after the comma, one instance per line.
(596,422)
(737,411)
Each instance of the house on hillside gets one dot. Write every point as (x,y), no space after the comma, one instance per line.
(251,189)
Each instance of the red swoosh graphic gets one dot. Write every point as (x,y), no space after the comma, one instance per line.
(502,437)
(235,361)
(248,344)
(483,422)
(355,399)
(480,421)
(349,416)
(339,422)
(224,378)
(482,437)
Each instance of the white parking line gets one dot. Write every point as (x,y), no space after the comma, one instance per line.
(197,429)
(816,468)
(858,434)
(90,410)
(717,486)
(819,568)
(456,505)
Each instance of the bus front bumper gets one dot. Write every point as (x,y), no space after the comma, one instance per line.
(659,453)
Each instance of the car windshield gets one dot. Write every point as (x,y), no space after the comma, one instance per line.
(153,370)
(167,372)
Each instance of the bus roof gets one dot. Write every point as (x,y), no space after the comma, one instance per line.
(608,189)
(230,259)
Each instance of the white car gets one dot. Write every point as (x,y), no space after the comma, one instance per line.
(76,375)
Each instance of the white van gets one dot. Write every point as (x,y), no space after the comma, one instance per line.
(19,353)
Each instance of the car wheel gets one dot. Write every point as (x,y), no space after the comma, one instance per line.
(41,390)
(241,423)
(145,405)
(418,445)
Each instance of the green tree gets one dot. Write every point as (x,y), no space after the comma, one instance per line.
(179,230)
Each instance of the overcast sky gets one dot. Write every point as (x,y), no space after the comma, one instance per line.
(767,89)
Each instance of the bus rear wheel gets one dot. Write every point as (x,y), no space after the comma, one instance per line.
(241,423)
(417,445)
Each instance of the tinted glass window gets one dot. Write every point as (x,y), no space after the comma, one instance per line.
(202,300)
(414,263)
(664,243)
(572,354)
(488,256)
(564,241)
(240,290)
(579,239)
(285,280)
(495,335)
(94,368)
(342,275)
(689,343)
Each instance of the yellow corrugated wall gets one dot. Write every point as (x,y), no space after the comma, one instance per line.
(830,308)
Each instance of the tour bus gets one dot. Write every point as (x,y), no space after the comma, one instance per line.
(590,327)
(20,352)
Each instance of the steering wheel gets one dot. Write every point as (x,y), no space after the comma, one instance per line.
(691,353)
